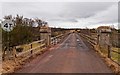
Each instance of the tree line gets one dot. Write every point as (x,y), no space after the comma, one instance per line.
(25,31)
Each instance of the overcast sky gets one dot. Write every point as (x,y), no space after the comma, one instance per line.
(65,14)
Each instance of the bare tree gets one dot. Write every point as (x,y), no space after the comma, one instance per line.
(9,17)
(19,20)
(39,21)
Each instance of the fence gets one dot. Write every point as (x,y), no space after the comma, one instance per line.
(32,51)
(108,52)
(91,40)
(34,48)
(57,39)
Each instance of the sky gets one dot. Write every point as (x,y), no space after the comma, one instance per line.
(65,14)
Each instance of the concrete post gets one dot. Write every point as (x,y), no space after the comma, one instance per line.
(104,33)
(45,33)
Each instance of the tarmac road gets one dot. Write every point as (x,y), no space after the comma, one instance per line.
(71,56)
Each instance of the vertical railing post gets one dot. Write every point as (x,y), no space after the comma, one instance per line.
(40,44)
(109,51)
(60,38)
(31,46)
(53,41)
(57,40)
(14,54)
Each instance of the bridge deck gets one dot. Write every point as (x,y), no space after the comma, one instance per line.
(71,56)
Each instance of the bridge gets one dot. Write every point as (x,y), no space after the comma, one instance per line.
(71,52)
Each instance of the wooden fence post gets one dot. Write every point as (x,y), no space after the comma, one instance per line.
(57,40)
(109,51)
(14,54)
(53,41)
(31,46)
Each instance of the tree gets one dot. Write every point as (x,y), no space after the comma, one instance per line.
(19,20)
(39,21)
(8,17)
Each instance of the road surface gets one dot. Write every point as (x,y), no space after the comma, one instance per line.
(71,56)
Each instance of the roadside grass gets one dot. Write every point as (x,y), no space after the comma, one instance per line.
(104,51)
(115,56)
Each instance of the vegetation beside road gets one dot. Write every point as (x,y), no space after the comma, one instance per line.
(116,56)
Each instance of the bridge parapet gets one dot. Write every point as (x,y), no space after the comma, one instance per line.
(45,33)
(105,49)
(32,51)
(103,35)
(104,29)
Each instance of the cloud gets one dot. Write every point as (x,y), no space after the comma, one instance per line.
(0,10)
(59,0)
(84,9)
(106,17)
(63,20)
(65,14)
(43,10)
